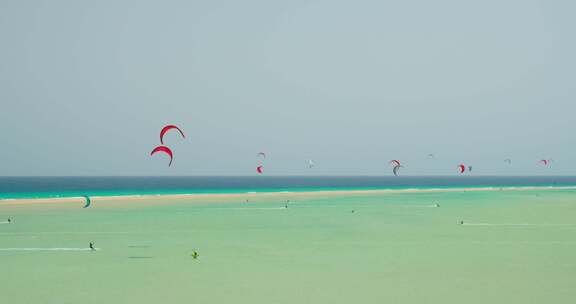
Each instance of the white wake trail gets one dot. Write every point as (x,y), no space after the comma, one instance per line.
(517,224)
(48,249)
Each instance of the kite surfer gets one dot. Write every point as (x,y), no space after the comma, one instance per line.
(92,246)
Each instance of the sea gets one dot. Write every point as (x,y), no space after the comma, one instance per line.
(52,187)
(471,247)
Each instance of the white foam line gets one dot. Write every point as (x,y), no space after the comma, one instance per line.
(515,224)
(4,223)
(89,232)
(66,233)
(47,249)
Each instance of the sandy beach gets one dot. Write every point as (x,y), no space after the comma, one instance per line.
(222,197)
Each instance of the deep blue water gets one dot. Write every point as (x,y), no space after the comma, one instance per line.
(29,187)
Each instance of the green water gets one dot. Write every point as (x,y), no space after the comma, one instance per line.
(395,248)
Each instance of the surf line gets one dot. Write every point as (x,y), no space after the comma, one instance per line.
(48,249)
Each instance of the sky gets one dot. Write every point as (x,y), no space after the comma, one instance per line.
(86,86)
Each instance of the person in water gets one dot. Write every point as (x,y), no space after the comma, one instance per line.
(461,222)
(194,254)
(92,246)
(9,220)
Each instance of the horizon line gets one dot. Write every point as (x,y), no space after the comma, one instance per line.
(274,176)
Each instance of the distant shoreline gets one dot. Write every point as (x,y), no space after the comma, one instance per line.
(250,194)
(66,187)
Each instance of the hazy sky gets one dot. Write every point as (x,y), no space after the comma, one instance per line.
(85,86)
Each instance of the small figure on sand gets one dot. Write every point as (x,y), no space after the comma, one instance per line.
(92,246)
(194,254)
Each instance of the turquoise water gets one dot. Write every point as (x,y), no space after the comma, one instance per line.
(47,187)
(515,247)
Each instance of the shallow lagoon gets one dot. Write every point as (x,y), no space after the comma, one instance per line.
(515,247)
